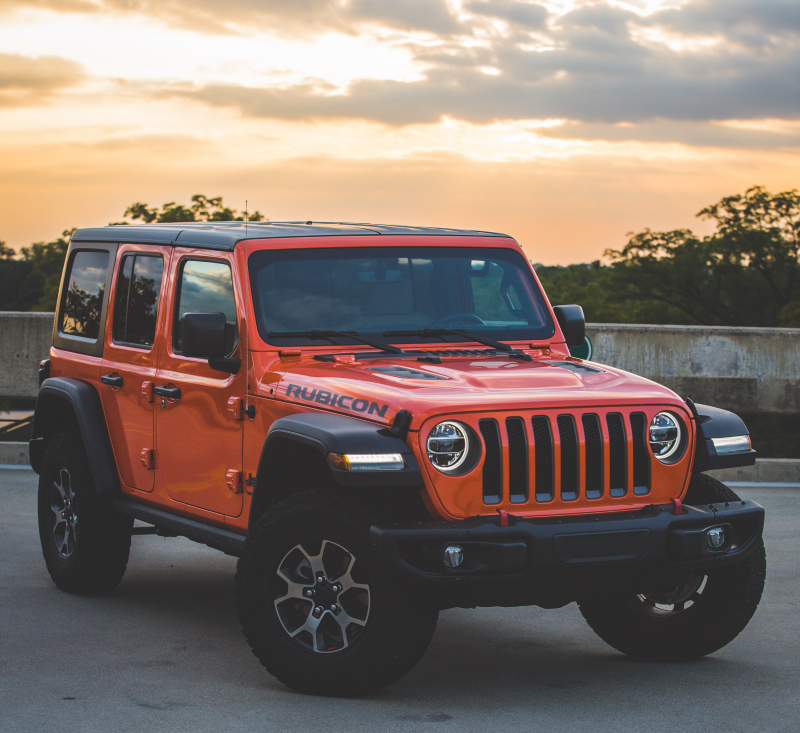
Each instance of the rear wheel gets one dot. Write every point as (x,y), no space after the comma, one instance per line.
(317,611)
(684,617)
(85,543)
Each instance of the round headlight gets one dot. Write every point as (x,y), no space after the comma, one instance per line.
(664,436)
(448,446)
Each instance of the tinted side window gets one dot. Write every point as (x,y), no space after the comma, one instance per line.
(206,287)
(136,302)
(83,299)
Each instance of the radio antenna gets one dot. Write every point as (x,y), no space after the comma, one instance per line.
(249,302)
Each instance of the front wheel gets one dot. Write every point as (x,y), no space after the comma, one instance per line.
(317,611)
(687,616)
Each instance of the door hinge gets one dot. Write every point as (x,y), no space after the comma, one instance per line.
(147,458)
(234,480)
(147,391)
(250,482)
(235,408)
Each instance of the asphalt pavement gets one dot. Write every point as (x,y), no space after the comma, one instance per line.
(164,652)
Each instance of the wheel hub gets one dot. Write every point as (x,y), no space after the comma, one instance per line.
(65,519)
(320,605)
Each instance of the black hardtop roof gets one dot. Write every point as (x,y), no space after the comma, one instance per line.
(225,234)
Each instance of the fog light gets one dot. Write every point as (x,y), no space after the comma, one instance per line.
(715,538)
(453,556)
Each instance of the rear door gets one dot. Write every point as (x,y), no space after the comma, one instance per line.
(128,368)
(199,429)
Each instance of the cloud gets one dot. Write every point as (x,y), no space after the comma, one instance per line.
(28,81)
(285,17)
(574,85)
(695,134)
(527,15)
(416,15)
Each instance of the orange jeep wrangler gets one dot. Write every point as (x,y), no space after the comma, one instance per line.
(380,422)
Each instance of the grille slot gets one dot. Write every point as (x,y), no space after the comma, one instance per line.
(594,456)
(618,454)
(517,460)
(569,457)
(543,441)
(493,463)
(641,461)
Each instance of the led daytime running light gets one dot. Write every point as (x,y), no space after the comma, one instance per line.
(367,461)
(734,444)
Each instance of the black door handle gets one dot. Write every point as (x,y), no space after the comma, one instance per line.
(174,393)
(111,380)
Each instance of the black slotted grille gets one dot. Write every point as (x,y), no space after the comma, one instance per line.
(517,460)
(618,454)
(493,463)
(569,457)
(641,461)
(543,442)
(594,456)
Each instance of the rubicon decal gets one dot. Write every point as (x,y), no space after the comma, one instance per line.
(343,401)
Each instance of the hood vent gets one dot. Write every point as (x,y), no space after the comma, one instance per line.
(571,366)
(405,373)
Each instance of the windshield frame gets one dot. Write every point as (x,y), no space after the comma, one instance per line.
(259,259)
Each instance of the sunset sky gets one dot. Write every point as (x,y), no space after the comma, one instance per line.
(565,124)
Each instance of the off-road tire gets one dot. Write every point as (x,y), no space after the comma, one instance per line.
(94,557)
(399,625)
(715,617)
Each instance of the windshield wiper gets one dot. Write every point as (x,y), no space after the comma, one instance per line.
(433,332)
(440,332)
(331,334)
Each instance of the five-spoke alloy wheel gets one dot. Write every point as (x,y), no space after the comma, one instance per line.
(85,543)
(65,522)
(323,607)
(315,608)
(688,616)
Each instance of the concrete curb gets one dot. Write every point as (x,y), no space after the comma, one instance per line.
(766,470)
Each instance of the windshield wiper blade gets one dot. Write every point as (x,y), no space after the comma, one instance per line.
(314,335)
(433,332)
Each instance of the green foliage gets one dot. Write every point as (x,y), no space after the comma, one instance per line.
(30,281)
(747,273)
(202,208)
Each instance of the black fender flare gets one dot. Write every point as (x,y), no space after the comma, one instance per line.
(63,396)
(329,433)
(713,422)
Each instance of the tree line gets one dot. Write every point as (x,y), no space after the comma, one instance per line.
(745,273)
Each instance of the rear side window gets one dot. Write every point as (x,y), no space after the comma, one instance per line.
(206,287)
(136,301)
(83,301)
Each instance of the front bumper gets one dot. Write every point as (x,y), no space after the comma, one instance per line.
(654,538)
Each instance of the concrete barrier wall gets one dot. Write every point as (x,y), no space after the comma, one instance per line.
(25,340)
(739,369)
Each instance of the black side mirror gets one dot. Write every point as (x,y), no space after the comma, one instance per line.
(572,322)
(203,335)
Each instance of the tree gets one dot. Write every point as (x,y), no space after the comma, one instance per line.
(30,281)
(202,208)
(744,274)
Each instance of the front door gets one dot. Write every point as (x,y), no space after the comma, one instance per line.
(199,426)
(128,368)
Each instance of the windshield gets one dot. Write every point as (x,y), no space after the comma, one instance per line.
(488,291)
